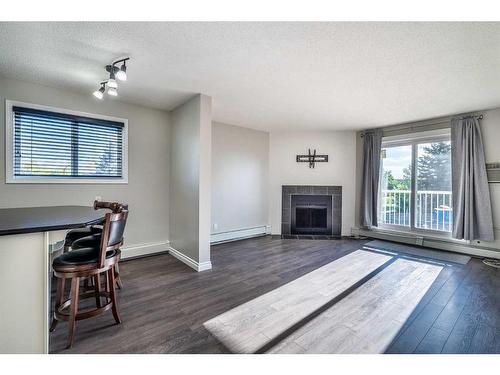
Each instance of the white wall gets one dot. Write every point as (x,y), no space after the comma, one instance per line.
(240,180)
(190,181)
(149,142)
(339,171)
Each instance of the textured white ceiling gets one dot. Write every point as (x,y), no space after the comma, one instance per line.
(273,75)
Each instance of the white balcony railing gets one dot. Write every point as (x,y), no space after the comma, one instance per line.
(433,209)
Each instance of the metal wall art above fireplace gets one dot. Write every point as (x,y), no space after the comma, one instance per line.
(313,212)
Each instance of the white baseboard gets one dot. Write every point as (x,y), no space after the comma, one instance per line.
(139,250)
(134,251)
(239,234)
(189,261)
(428,241)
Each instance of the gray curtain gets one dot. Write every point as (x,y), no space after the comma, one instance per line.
(372,144)
(472,217)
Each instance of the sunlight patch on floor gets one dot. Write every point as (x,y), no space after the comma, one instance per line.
(252,325)
(368,319)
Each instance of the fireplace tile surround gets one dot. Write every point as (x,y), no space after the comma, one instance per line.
(287,191)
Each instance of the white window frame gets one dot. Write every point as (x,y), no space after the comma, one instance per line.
(9,148)
(413,140)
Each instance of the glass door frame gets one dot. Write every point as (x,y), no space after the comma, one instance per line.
(414,140)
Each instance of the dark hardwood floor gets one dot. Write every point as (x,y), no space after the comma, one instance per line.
(164,303)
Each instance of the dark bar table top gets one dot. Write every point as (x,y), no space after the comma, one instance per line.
(44,219)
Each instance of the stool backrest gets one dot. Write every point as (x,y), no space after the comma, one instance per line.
(116,207)
(112,233)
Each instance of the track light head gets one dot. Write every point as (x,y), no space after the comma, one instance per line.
(111,81)
(100,92)
(112,91)
(122,73)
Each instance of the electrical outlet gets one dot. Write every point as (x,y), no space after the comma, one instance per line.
(215,226)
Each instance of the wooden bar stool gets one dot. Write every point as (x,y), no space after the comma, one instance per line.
(91,236)
(90,262)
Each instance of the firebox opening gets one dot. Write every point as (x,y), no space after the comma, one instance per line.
(311,217)
(311,214)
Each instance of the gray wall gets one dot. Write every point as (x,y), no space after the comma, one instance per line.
(240,178)
(190,179)
(149,142)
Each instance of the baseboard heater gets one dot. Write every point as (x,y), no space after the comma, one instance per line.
(426,241)
(238,234)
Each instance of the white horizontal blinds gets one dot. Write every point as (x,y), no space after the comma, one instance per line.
(61,145)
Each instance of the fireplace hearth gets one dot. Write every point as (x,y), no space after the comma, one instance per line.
(311,212)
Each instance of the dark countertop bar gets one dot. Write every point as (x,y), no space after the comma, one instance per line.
(44,219)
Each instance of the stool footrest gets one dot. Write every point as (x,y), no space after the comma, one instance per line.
(60,314)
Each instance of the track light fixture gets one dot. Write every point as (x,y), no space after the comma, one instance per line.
(111,83)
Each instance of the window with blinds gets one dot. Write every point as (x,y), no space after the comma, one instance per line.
(65,146)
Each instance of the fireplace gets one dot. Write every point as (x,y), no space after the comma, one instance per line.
(311,212)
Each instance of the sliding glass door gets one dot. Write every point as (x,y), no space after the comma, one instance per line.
(415,184)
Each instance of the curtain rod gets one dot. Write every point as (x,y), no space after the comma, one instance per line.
(479,117)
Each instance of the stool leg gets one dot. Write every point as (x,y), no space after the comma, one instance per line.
(59,302)
(75,289)
(97,288)
(112,286)
(106,285)
(118,278)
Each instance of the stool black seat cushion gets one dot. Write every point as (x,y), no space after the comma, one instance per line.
(94,240)
(75,234)
(87,255)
